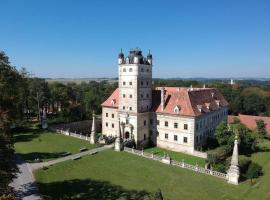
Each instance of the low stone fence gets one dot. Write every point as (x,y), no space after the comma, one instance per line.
(181,164)
(83,127)
(73,134)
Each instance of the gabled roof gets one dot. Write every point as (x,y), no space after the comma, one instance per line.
(113,100)
(250,121)
(186,99)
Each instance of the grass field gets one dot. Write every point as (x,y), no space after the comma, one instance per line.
(46,145)
(178,156)
(120,175)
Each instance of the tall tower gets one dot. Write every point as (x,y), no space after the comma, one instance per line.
(135,94)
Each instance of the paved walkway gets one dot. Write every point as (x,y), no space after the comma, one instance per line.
(25,185)
(35,166)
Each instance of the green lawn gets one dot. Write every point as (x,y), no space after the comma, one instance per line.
(46,145)
(120,175)
(178,156)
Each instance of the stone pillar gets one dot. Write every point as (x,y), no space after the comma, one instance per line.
(233,172)
(44,119)
(118,144)
(93,131)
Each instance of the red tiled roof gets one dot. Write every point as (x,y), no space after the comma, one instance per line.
(113,100)
(188,100)
(250,121)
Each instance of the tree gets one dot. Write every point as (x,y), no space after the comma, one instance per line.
(261,127)
(253,104)
(10,105)
(254,171)
(224,136)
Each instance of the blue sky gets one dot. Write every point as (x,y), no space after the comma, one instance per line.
(229,38)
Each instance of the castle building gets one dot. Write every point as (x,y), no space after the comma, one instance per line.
(175,118)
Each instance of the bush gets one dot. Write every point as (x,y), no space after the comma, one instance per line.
(244,163)
(254,171)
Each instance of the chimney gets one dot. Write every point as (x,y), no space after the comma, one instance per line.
(191,88)
(212,93)
(162,98)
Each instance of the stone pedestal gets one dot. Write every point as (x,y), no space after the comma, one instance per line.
(44,124)
(233,175)
(118,144)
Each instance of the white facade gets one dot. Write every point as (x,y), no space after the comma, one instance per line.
(167,129)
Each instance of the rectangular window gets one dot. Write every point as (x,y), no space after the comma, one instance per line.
(130,108)
(141,95)
(144,122)
(130,69)
(175,125)
(130,96)
(175,138)
(151,121)
(141,82)
(124,107)
(124,96)
(144,137)
(185,139)
(158,122)
(124,83)
(112,125)
(166,136)
(166,124)
(185,126)
(112,115)
(124,70)
(106,114)
(106,124)
(130,83)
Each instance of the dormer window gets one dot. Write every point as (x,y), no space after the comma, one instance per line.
(217,102)
(176,109)
(207,105)
(199,108)
(113,102)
